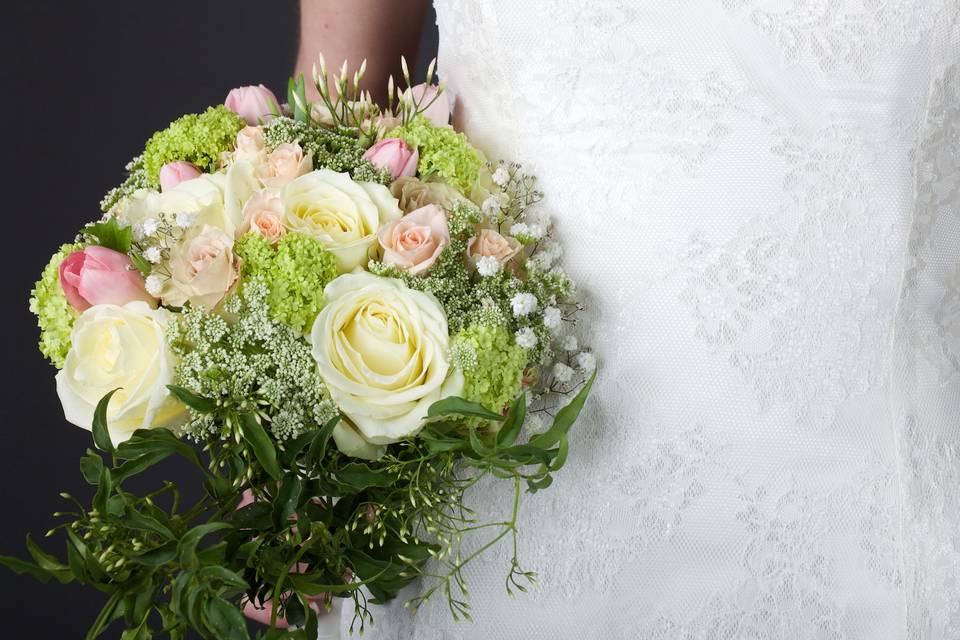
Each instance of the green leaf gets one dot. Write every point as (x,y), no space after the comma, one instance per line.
(477,444)
(142,264)
(91,566)
(46,561)
(190,540)
(224,620)
(111,234)
(224,575)
(151,442)
(294,612)
(359,476)
(286,500)
(90,466)
(565,417)
(456,406)
(192,400)
(318,448)
(138,520)
(511,427)
(253,516)
(101,435)
(104,489)
(20,567)
(261,444)
(158,556)
(297,99)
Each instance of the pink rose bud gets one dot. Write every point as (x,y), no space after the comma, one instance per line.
(253,104)
(394,155)
(173,173)
(426,94)
(98,275)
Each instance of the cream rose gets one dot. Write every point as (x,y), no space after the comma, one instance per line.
(216,199)
(413,193)
(283,164)
(383,351)
(202,268)
(120,347)
(490,243)
(263,214)
(342,214)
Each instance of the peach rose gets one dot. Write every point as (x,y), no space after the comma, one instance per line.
(263,214)
(414,241)
(202,268)
(283,164)
(250,140)
(491,243)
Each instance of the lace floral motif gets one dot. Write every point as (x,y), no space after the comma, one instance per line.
(765,299)
(840,34)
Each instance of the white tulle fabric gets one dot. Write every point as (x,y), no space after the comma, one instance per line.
(762,201)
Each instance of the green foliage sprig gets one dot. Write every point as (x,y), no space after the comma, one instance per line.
(317,523)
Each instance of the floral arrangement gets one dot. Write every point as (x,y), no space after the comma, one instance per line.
(343,316)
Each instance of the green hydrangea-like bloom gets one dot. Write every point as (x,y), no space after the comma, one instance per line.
(197,138)
(443,151)
(295,272)
(54,314)
(492,364)
(330,149)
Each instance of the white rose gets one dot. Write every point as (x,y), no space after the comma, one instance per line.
(342,214)
(215,199)
(120,347)
(383,352)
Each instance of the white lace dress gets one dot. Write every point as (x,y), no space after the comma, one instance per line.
(762,200)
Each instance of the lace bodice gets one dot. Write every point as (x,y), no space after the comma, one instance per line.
(764,199)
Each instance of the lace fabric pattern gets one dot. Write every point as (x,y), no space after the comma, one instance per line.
(771,244)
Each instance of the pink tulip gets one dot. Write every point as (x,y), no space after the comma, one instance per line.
(173,173)
(439,110)
(394,155)
(253,104)
(97,275)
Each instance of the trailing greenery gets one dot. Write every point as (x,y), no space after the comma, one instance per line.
(319,523)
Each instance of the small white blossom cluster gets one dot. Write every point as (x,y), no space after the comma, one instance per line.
(253,363)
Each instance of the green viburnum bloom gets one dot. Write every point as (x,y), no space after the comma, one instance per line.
(295,272)
(197,138)
(54,314)
(443,151)
(492,364)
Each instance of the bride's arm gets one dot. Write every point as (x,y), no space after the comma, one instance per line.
(379,30)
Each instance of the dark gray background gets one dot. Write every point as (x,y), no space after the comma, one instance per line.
(84,84)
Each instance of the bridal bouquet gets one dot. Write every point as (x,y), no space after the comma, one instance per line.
(343,316)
